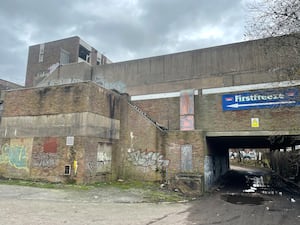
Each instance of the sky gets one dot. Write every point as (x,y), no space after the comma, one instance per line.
(120,29)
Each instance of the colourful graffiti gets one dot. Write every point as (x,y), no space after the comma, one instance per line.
(15,155)
(153,160)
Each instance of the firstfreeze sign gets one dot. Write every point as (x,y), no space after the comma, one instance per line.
(260,100)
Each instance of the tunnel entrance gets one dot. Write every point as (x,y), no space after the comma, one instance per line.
(280,153)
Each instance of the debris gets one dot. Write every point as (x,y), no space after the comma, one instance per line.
(249,190)
(183,201)
(162,186)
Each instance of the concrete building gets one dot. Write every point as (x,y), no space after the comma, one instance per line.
(45,58)
(177,119)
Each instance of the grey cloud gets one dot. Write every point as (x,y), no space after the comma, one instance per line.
(121,29)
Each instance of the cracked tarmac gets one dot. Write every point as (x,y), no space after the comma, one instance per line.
(22,205)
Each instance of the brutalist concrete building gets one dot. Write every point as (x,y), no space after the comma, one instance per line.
(165,118)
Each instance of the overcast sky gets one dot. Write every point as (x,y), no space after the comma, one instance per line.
(120,29)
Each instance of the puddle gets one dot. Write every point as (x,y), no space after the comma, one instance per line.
(242,199)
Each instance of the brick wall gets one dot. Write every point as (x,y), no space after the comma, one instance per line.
(69,98)
(175,140)
(45,101)
(84,111)
(164,111)
(211,117)
(140,153)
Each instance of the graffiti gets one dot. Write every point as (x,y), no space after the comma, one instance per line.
(103,157)
(117,85)
(102,165)
(99,167)
(15,155)
(153,160)
(46,160)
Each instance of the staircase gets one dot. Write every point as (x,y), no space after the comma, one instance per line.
(156,124)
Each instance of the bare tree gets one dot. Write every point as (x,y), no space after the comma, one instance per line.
(269,18)
(279,22)
(273,18)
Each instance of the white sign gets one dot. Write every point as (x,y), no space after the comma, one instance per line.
(70,141)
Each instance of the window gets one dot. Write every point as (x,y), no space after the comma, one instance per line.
(84,54)
(67,170)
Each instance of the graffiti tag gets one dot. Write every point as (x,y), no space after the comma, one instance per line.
(102,165)
(42,159)
(153,160)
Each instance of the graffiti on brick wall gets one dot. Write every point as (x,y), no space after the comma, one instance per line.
(42,159)
(153,160)
(14,155)
(102,164)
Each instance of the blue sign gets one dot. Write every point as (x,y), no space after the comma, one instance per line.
(260,100)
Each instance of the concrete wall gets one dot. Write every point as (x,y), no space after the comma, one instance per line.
(249,62)
(68,73)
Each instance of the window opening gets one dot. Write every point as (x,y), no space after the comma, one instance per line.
(84,53)
(67,170)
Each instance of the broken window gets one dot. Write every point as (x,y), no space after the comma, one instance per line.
(84,54)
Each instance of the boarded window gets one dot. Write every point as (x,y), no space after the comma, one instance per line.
(50,145)
(41,53)
(186,158)
(64,57)
(104,158)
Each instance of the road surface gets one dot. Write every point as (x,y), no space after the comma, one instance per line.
(33,206)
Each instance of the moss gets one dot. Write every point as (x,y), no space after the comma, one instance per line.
(150,191)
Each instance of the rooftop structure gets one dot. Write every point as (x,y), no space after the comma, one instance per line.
(45,58)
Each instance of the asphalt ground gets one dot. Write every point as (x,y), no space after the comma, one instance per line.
(21,205)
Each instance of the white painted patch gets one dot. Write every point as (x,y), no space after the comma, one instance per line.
(158,96)
(250,87)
